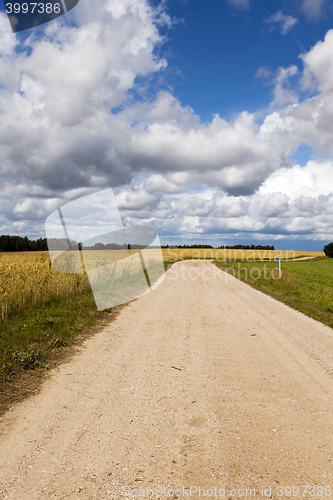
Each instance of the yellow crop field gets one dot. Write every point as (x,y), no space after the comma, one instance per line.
(232,254)
(28,278)
(12,257)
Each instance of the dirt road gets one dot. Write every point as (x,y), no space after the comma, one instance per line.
(204,382)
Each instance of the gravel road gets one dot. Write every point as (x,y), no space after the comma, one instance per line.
(205,382)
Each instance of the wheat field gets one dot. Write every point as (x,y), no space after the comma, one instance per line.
(28,278)
(233,254)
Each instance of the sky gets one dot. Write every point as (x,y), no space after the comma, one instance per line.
(212,120)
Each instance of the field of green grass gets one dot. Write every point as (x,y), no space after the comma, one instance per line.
(304,285)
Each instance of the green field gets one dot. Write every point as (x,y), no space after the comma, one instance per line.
(305,285)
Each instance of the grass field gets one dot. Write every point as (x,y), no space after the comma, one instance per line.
(305,285)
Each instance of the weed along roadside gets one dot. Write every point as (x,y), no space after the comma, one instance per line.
(37,334)
(37,340)
(44,316)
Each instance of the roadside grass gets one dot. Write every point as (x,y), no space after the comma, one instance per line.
(32,281)
(37,339)
(306,286)
(43,315)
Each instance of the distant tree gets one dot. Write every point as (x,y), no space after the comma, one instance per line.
(19,244)
(328,250)
(248,247)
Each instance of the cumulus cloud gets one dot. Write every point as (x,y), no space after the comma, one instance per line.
(59,139)
(275,205)
(283,92)
(159,184)
(286,23)
(313,9)
(237,156)
(294,202)
(318,71)
(56,127)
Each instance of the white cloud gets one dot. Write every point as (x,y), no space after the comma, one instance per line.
(8,40)
(313,8)
(157,183)
(275,205)
(239,4)
(56,127)
(294,202)
(134,199)
(236,156)
(319,65)
(285,22)
(59,140)
(282,92)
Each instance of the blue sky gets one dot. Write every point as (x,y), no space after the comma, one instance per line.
(210,119)
(214,52)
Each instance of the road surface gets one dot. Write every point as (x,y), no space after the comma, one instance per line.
(205,382)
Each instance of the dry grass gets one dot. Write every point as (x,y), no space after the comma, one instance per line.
(14,257)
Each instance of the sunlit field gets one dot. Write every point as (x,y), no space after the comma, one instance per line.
(12,257)
(28,278)
(43,310)
(305,285)
(221,254)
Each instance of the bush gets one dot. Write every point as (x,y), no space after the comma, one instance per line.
(328,250)
(27,359)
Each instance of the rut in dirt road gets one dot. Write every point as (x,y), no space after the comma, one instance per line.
(203,382)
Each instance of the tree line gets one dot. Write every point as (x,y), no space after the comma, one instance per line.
(249,247)
(19,244)
(23,244)
(228,247)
